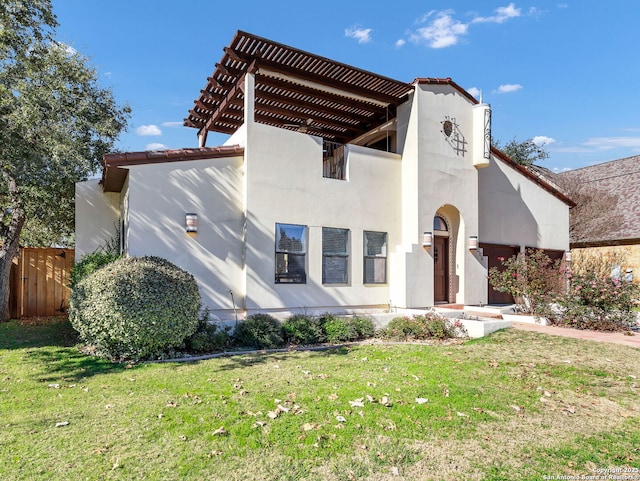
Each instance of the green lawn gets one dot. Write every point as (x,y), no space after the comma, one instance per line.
(515,405)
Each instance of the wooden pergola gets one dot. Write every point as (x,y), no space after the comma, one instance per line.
(295,90)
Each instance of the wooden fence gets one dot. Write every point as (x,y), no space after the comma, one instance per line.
(39,280)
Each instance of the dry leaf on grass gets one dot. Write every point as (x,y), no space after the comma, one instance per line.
(221,431)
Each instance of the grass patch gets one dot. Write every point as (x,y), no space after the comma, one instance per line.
(515,405)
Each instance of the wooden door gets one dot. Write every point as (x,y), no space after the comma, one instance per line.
(441,269)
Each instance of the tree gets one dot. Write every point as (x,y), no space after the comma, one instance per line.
(524,153)
(56,122)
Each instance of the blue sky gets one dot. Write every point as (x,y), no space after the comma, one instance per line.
(561,72)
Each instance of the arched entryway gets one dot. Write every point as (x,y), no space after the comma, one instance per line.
(441,259)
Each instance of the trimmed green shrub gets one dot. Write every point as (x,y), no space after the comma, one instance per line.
(135,308)
(302,329)
(364,327)
(209,337)
(346,329)
(88,264)
(262,331)
(338,329)
(422,327)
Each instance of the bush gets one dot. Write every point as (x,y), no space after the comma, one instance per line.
(364,327)
(422,327)
(596,302)
(347,329)
(135,308)
(580,316)
(209,337)
(532,279)
(302,329)
(88,264)
(262,331)
(338,329)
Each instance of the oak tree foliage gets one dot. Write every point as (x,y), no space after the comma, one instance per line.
(56,122)
(525,152)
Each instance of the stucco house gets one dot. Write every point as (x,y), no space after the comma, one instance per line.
(337,190)
(609,220)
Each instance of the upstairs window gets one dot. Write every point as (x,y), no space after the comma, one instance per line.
(291,254)
(334,164)
(335,256)
(375,257)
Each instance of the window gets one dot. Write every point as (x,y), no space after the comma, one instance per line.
(439,224)
(375,257)
(291,250)
(334,165)
(335,256)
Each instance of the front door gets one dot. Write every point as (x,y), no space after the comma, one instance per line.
(441,269)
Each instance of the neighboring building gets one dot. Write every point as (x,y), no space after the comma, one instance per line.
(338,190)
(607,218)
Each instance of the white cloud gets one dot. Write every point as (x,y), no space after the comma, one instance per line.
(508,88)
(400,42)
(608,143)
(362,35)
(68,49)
(172,124)
(475,91)
(541,140)
(155,146)
(502,15)
(562,5)
(443,31)
(147,130)
(559,170)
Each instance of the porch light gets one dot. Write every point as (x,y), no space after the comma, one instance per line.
(567,256)
(191,223)
(427,239)
(473,242)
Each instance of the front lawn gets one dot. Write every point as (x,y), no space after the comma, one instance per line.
(515,405)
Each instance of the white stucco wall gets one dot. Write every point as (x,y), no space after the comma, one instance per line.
(439,177)
(160,195)
(514,210)
(97,217)
(285,185)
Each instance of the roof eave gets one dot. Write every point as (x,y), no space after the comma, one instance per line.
(531,176)
(115,166)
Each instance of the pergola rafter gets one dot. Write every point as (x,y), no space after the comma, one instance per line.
(294,89)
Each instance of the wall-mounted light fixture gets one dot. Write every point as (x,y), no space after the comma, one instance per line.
(567,256)
(427,240)
(191,223)
(473,242)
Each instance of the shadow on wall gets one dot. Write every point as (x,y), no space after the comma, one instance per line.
(264,294)
(157,222)
(216,254)
(504,215)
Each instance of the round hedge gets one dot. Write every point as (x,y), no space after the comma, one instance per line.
(135,307)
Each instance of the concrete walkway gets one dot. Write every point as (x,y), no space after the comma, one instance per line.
(613,337)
